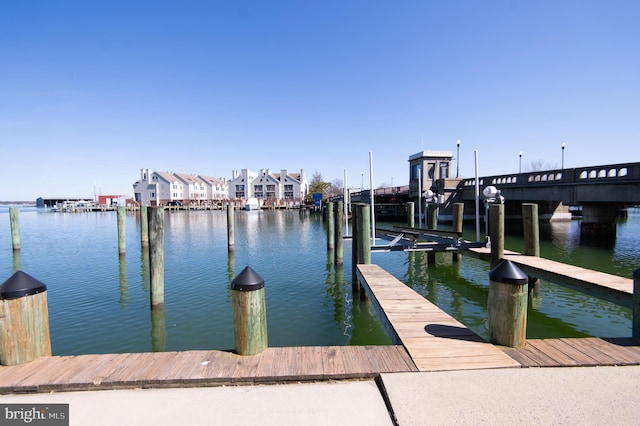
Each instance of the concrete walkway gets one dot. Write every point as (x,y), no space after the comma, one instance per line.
(566,396)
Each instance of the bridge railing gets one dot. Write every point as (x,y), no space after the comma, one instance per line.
(578,175)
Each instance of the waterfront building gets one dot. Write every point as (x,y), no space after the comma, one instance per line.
(268,187)
(273,189)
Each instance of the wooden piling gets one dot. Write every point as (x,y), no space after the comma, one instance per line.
(531,229)
(496,233)
(156,255)
(249,312)
(14,213)
(339,219)
(330,226)
(230,227)
(364,234)
(432,208)
(636,303)
(24,320)
(122,242)
(531,237)
(507,305)
(144,226)
(458,218)
(411,214)
(355,219)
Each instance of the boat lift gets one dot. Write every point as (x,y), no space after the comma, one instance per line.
(417,239)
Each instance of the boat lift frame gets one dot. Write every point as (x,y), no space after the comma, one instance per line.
(403,238)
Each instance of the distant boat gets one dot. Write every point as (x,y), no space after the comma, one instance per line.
(252,204)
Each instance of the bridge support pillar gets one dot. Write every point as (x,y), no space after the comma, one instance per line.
(598,220)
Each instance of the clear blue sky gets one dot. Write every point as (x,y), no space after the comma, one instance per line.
(93,91)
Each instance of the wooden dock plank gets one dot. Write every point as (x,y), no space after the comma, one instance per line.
(433,339)
(609,287)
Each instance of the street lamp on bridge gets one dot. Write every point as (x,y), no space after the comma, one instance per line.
(520,168)
(563,145)
(458,159)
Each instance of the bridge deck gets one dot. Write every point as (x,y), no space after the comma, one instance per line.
(610,287)
(435,341)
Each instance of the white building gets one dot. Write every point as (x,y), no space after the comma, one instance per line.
(268,187)
(164,188)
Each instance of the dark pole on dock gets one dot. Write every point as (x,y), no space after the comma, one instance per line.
(249,312)
(339,219)
(230,227)
(156,255)
(24,320)
(507,305)
(15,227)
(636,303)
(122,241)
(411,214)
(330,225)
(144,226)
(496,232)
(458,216)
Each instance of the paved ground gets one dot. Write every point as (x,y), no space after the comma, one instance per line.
(540,396)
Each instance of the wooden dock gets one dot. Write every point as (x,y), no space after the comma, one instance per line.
(202,368)
(578,352)
(615,289)
(435,341)
(428,340)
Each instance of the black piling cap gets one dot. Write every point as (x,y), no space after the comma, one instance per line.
(636,273)
(508,273)
(19,285)
(247,280)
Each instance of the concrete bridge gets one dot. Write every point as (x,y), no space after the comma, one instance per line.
(600,191)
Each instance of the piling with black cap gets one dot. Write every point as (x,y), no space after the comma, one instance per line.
(24,320)
(636,303)
(249,312)
(507,305)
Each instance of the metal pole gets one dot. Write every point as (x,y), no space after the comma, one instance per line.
(419,197)
(373,207)
(477,200)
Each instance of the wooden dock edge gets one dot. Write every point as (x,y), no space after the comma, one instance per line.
(202,368)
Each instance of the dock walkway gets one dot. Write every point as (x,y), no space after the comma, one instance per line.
(615,289)
(202,368)
(435,340)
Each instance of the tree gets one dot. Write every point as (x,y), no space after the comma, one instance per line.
(317,186)
(539,165)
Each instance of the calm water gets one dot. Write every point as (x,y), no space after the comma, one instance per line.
(99,301)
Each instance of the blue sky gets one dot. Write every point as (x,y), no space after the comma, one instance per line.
(93,91)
